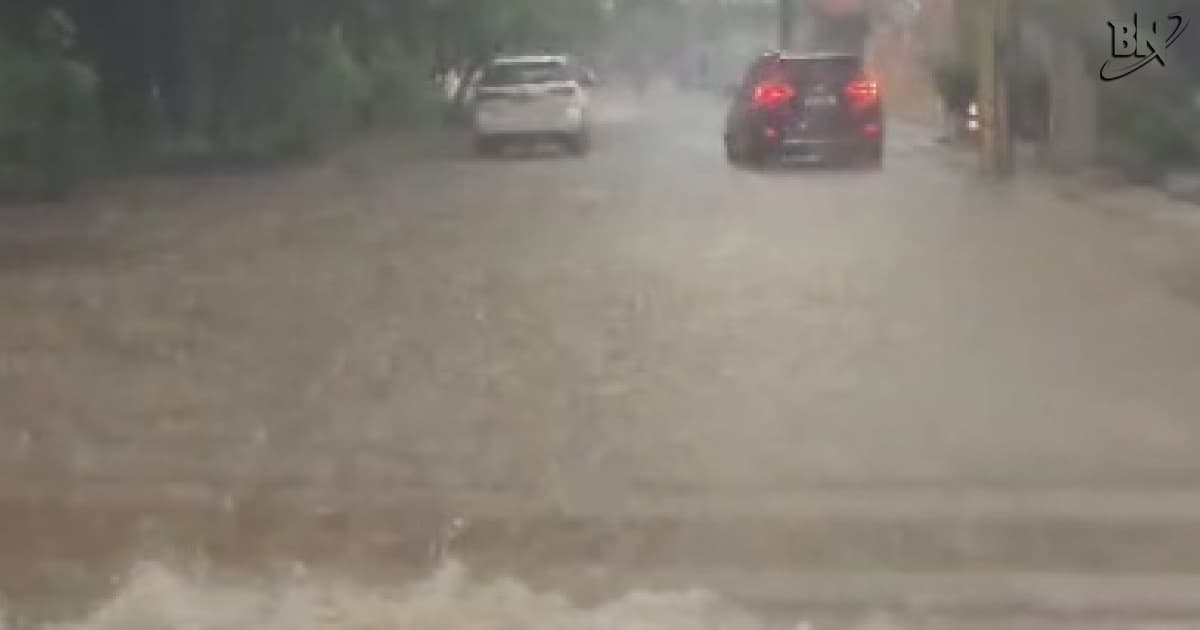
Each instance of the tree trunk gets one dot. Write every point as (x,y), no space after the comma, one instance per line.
(173,71)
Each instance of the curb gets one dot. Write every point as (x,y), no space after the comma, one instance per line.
(1098,191)
(1127,199)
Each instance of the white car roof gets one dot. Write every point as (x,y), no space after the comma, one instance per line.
(519,59)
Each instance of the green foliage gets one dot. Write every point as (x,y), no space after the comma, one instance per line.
(331,88)
(295,96)
(1150,121)
(49,127)
(476,27)
(55,32)
(400,90)
(266,77)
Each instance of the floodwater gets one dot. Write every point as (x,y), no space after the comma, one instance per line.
(154,596)
(635,372)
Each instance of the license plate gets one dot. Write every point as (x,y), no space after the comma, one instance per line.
(821,100)
(804,156)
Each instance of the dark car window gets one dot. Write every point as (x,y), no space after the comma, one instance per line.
(525,73)
(830,71)
(801,72)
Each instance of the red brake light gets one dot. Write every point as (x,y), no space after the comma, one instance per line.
(772,94)
(862,93)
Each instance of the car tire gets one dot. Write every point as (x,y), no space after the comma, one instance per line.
(757,156)
(487,146)
(732,154)
(873,158)
(745,152)
(578,143)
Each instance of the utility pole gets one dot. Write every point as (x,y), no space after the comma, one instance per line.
(787,23)
(995,37)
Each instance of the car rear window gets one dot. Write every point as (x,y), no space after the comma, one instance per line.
(502,74)
(831,71)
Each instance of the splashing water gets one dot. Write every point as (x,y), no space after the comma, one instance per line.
(158,598)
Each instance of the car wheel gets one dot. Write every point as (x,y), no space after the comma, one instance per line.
(743,152)
(487,146)
(731,152)
(873,158)
(578,143)
(756,156)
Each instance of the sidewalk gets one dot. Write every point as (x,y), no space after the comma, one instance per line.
(1106,191)
(1097,188)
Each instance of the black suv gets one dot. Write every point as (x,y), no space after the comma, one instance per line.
(819,106)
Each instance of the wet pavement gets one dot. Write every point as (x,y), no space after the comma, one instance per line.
(643,358)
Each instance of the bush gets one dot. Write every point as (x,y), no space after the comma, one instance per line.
(330,91)
(401,92)
(1150,124)
(293,97)
(49,124)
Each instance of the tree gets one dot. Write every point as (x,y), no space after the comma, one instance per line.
(220,72)
(47,120)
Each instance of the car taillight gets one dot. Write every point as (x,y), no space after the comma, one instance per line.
(772,94)
(862,93)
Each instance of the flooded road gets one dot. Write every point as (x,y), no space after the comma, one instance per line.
(640,371)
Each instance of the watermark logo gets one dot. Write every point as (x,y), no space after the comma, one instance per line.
(1134,49)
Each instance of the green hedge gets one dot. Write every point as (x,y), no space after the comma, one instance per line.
(292,94)
(331,89)
(1152,118)
(296,97)
(49,125)
(401,92)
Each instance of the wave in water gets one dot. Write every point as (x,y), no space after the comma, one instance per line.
(156,597)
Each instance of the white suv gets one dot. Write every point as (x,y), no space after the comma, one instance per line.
(529,98)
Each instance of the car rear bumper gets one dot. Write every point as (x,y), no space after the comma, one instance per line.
(825,149)
(565,121)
